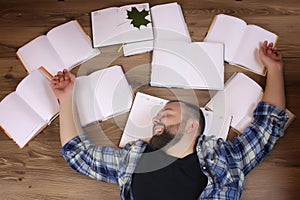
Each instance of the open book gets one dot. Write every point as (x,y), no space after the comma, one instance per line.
(145,107)
(28,110)
(196,65)
(241,41)
(64,47)
(126,24)
(238,100)
(168,24)
(102,94)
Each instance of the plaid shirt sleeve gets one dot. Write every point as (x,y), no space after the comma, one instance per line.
(101,163)
(226,163)
(260,137)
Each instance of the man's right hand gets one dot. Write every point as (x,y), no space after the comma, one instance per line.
(63,84)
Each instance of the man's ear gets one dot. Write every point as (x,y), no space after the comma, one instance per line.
(192,126)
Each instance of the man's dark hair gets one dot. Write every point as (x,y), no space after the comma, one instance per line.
(193,111)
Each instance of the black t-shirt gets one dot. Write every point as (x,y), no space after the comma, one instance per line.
(160,176)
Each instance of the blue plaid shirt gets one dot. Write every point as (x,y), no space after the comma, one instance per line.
(225,163)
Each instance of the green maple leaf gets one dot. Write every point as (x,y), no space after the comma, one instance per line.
(138,18)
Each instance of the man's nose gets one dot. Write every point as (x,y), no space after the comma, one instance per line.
(156,119)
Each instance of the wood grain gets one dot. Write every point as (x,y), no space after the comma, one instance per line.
(39,172)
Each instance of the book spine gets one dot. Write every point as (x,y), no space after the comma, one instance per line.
(22,62)
(46,73)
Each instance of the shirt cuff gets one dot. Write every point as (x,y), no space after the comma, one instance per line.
(81,141)
(270,116)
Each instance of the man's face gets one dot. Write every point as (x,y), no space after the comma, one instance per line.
(166,125)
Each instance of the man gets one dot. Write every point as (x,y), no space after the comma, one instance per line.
(201,167)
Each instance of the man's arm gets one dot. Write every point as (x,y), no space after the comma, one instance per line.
(269,117)
(274,90)
(63,86)
(101,163)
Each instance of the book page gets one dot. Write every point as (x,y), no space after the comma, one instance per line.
(113,25)
(131,31)
(248,54)
(227,30)
(105,31)
(18,119)
(72,44)
(216,124)
(187,65)
(87,107)
(113,92)
(169,23)
(207,71)
(36,91)
(139,124)
(39,52)
(168,68)
(236,102)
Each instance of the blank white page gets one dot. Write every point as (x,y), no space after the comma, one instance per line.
(169,65)
(229,31)
(188,65)
(71,43)
(18,119)
(87,106)
(39,52)
(248,54)
(238,99)
(35,89)
(169,23)
(207,65)
(112,92)
(105,31)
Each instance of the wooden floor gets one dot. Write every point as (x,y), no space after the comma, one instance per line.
(39,172)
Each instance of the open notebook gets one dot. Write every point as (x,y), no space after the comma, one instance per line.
(27,111)
(238,100)
(117,25)
(63,47)
(144,109)
(196,65)
(168,24)
(102,94)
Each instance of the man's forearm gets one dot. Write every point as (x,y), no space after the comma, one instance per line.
(274,90)
(68,128)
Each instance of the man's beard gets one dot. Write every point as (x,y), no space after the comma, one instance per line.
(166,137)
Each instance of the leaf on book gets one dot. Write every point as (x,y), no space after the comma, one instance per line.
(137,17)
